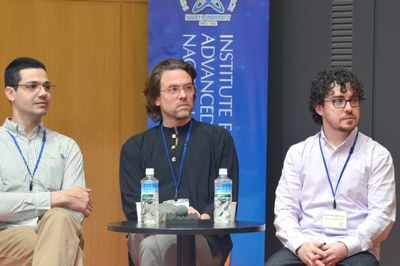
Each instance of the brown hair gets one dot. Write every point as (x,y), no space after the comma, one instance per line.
(152,87)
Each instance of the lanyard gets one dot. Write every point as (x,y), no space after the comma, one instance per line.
(176,182)
(341,173)
(26,164)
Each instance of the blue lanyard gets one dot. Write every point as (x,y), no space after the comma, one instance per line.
(344,167)
(26,164)
(176,182)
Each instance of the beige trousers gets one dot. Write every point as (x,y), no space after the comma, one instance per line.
(56,240)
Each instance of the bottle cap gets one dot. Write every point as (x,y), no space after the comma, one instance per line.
(223,171)
(149,171)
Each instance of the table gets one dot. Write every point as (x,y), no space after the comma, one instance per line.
(186,233)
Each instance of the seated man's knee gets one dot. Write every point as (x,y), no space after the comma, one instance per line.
(149,251)
(59,218)
(58,214)
(148,245)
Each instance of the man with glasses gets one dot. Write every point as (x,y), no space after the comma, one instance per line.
(186,156)
(335,201)
(43,198)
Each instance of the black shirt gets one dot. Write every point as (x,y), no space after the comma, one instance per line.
(209,148)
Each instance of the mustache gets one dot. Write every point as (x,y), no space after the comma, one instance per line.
(349,117)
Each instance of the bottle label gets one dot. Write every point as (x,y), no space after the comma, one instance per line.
(227,195)
(223,190)
(148,190)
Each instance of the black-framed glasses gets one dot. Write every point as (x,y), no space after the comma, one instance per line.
(341,102)
(34,87)
(175,90)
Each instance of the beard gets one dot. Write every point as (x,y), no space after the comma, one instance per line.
(348,124)
(183,114)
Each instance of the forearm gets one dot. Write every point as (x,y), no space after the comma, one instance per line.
(381,207)
(287,217)
(21,206)
(76,199)
(288,231)
(368,233)
(61,199)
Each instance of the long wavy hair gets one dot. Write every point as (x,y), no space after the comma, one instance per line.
(152,87)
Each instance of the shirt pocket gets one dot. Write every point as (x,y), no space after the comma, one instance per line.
(52,174)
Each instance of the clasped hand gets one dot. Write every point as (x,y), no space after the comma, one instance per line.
(76,198)
(203,216)
(320,254)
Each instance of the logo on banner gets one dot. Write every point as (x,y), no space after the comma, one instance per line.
(213,11)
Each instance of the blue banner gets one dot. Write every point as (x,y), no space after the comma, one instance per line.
(227,42)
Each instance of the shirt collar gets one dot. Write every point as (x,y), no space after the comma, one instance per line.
(18,130)
(346,143)
(180,129)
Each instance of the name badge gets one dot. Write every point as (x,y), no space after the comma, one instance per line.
(334,219)
(184,202)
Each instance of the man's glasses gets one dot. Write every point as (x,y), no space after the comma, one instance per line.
(175,90)
(34,87)
(341,102)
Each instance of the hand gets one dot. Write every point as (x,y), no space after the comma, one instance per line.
(75,198)
(192,210)
(335,253)
(203,216)
(312,254)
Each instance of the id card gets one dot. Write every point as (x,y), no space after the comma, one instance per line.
(184,202)
(334,219)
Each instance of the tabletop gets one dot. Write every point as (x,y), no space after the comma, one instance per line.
(203,227)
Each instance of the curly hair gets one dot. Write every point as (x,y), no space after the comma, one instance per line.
(324,83)
(152,87)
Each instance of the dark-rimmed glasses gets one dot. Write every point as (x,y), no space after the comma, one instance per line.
(341,102)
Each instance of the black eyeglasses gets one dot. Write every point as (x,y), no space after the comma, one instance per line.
(341,102)
(34,87)
(175,90)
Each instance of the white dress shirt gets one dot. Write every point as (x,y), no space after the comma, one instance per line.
(366,192)
(60,168)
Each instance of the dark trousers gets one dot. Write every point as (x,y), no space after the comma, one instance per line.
(285,257)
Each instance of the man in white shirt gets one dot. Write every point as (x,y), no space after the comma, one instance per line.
(43,197)
(336,200)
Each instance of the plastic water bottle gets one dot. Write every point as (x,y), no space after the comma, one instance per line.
(149,198)
(222,197)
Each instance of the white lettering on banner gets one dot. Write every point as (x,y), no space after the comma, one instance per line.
(207,20)
(207,108)
(215,75)
(226,81)
(189,47)
(207,79)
